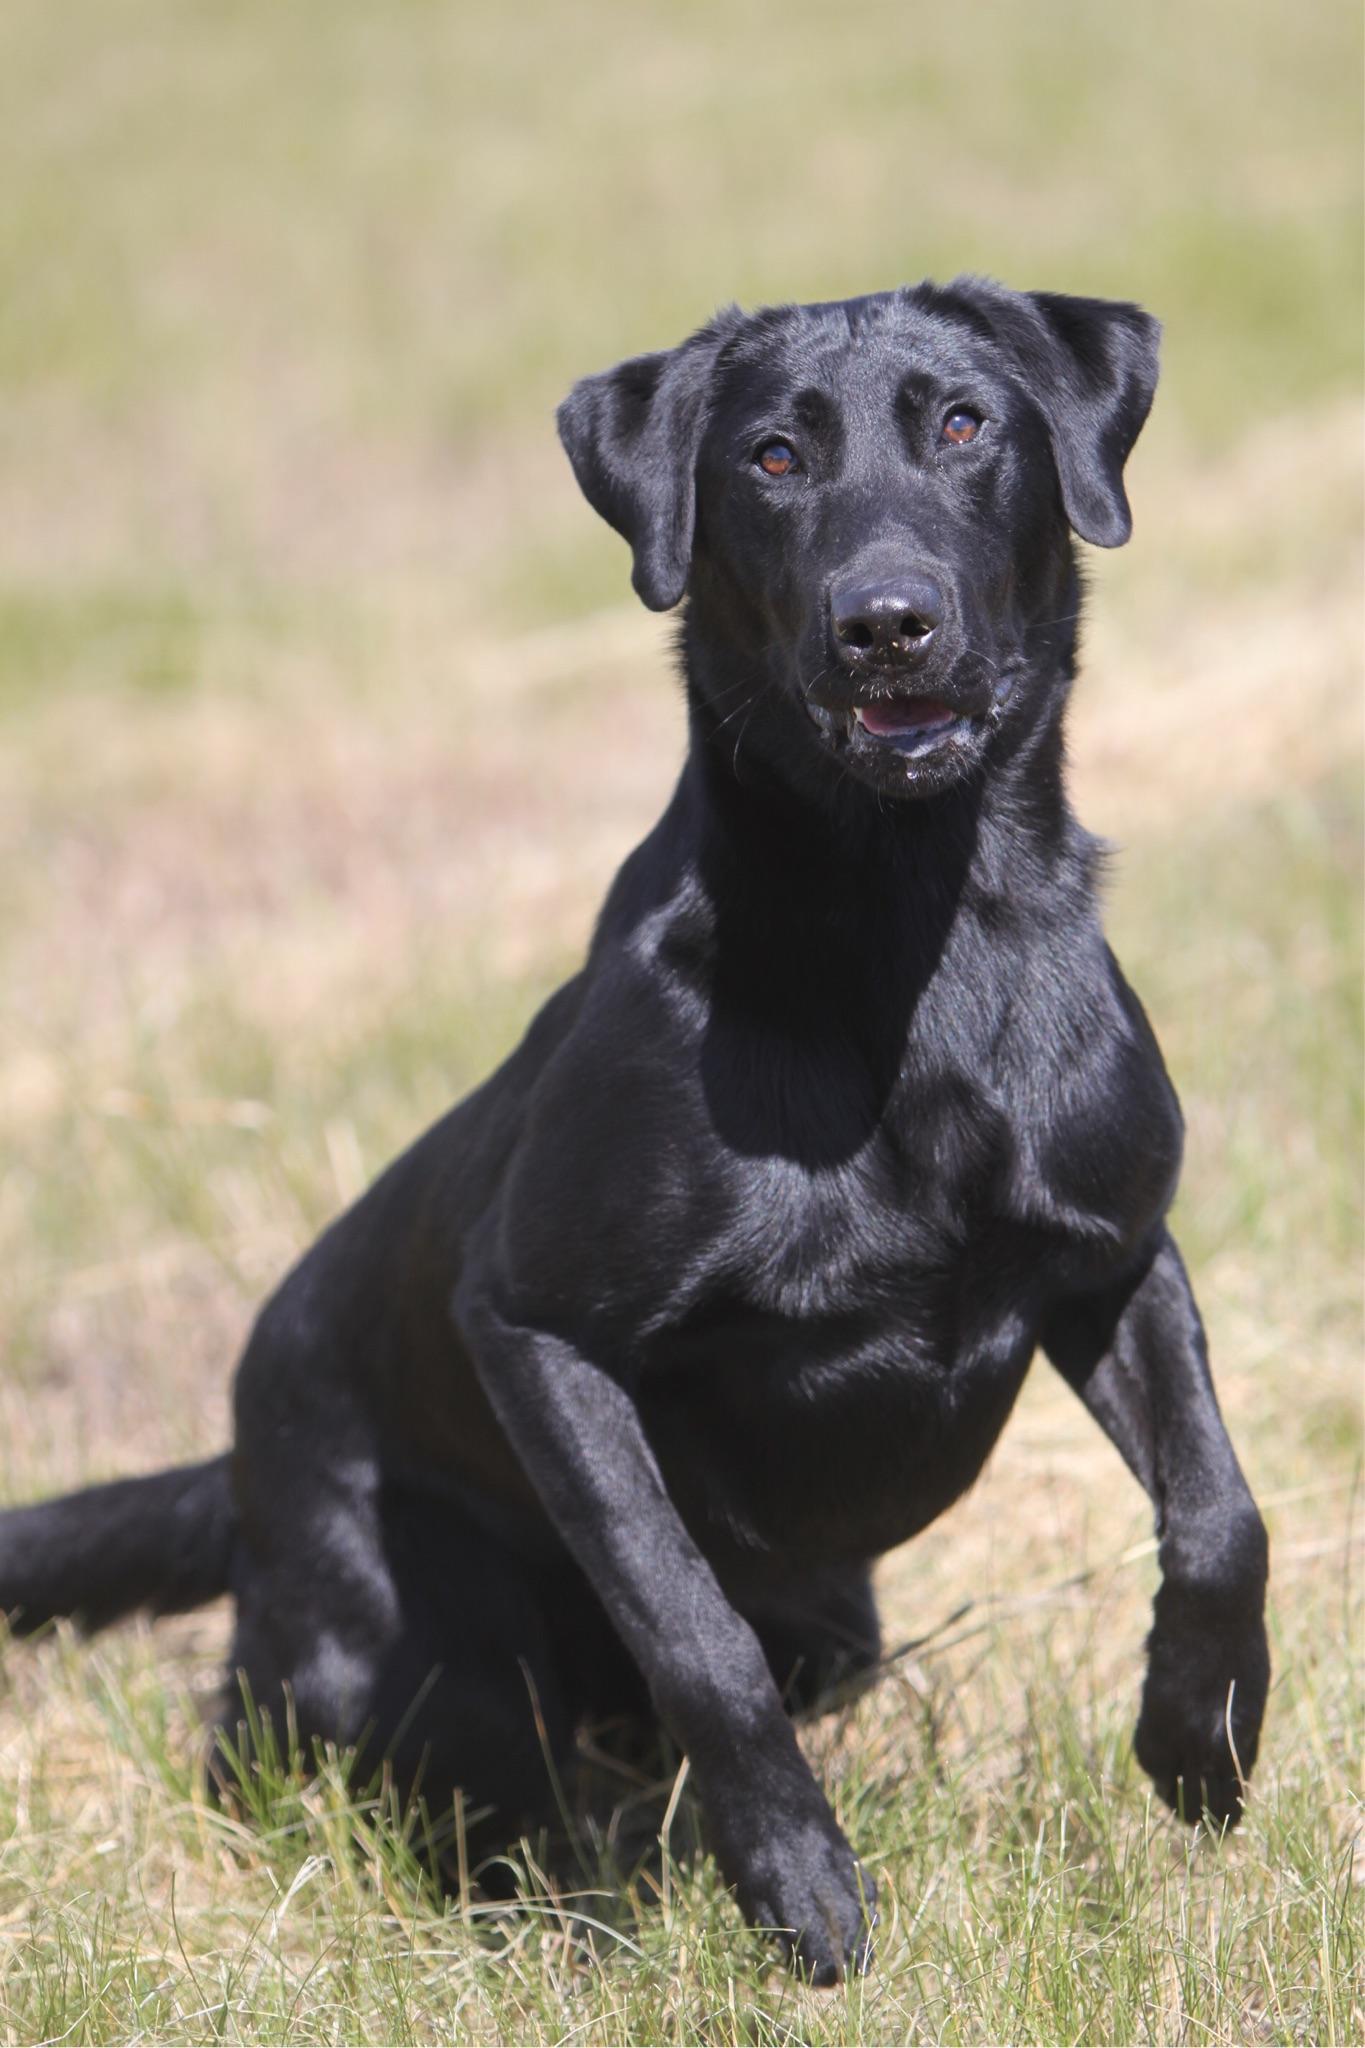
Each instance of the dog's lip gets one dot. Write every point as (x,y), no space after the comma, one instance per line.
(897,716)
(912,730)
(883,703)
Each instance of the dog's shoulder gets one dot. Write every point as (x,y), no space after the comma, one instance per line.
(1096,1133)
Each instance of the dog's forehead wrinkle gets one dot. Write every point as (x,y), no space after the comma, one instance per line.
(930,323)
(901,373)
(814,406)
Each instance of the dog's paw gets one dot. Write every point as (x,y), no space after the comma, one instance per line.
(809,1890)
(1200,1724)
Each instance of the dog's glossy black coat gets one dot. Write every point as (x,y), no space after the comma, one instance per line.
(726,1281)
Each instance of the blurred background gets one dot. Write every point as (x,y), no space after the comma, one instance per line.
(325,712)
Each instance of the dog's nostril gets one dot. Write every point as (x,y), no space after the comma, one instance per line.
(888,624)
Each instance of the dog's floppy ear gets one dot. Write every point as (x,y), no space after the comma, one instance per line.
(633,435)
(1095,365)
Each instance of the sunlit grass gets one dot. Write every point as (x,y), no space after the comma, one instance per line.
(1029,1890)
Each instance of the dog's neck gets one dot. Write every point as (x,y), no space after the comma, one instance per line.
(816,916)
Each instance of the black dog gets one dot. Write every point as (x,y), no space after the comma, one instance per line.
(726,1281)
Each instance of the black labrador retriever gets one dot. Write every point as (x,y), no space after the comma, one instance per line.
(726,1281)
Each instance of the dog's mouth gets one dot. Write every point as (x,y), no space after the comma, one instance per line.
(899,735)
(905,742)
(912,725)
(898,722)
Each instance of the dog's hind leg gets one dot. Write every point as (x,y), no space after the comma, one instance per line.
(820,1636)
(398,1627)
(373,1613)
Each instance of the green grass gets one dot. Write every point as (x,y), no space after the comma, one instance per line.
(322,727)
(1029,1891)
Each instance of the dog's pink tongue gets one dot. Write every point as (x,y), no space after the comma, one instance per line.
(904,714)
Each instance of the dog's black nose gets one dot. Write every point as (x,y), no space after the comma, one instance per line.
(886,625)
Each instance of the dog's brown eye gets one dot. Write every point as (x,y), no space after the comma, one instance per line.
(961,426)
(777,458)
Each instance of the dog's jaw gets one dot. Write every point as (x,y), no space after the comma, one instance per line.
(907,761)
(911,744)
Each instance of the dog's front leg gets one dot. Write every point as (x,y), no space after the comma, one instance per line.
(579,1436)
(1137,1358)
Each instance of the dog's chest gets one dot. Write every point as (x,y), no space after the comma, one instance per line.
(810,1243)
(838,1377)
(824,1361)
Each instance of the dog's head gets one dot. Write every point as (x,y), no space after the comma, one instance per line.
(871,503)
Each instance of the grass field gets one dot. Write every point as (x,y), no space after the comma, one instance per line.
(323,723)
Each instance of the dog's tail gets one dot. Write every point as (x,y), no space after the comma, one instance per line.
(163,1543)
